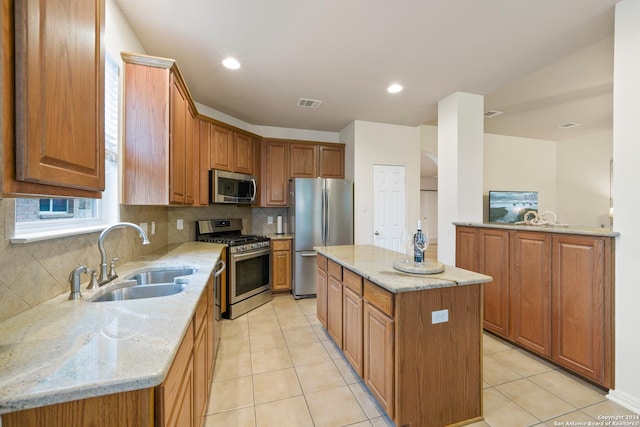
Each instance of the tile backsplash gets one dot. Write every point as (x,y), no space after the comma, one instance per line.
(32,273)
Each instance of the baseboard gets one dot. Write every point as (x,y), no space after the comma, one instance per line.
(630,402)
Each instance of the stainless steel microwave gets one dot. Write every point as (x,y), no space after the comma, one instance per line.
(231,187)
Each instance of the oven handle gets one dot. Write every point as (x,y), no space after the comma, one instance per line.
(252,254)
(219,268)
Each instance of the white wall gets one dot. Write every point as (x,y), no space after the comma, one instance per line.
(118,35)
(583,179)
(348,137)
(512,163)
(383,144)
(626,181)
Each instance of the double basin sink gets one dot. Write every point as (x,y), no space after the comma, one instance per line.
(148,283)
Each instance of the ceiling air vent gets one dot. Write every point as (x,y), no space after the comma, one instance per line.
(568,125)
(491,113)
(309,103)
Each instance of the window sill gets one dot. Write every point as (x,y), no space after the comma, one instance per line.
(55,234)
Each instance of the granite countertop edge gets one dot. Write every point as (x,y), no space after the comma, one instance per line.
(585,231)
(62,350)
(376,264)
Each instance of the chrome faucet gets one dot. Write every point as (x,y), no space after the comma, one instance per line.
(104,276)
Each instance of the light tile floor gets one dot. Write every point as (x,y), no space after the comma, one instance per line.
(276,367)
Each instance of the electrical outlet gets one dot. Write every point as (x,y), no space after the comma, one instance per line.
(440,316)
(269,220)
(144,227)
(153,227)
(180,224)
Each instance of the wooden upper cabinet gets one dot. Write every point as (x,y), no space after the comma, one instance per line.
(53,100)
(275,173)
(204,144)
(221,148)
(158,142)
(243,153)
(331,161)
(303,160)
(312,160)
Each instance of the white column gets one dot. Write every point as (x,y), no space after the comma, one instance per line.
(626,203)
(460,174)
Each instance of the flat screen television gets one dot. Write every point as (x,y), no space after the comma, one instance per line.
(511,206)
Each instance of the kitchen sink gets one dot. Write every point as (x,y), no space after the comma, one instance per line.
(139,292)
(160,275)
(149,283)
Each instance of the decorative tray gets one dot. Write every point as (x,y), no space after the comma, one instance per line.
(426,267)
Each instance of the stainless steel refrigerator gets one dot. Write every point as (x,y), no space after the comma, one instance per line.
(321,213)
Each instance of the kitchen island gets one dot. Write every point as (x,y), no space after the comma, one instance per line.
(79,362)
(416,340)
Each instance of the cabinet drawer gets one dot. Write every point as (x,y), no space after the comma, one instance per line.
(378,297)
(322,262)
(280,245)
(335,270)
(352,281)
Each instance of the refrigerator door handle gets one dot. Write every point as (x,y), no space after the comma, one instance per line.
(325,216)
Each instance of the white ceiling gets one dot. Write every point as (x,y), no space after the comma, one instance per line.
(541,62)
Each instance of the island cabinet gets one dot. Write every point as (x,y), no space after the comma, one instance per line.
(321,292)
(422,372)
(552,293)
(52,98)
(158,142)
(281,265)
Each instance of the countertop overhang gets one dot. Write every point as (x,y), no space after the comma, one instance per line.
(586,231)
(376,264)
(64,350)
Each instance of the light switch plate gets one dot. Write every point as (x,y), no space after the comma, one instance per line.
(440,316)
(153,227)
(269,220)
(180,224)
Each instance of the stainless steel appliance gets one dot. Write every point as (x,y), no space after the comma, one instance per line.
(248,264)
(231,187)
(321,214)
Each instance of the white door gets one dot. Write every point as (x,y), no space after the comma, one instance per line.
(389,206)
(429,213)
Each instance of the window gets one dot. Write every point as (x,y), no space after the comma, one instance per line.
(47,214)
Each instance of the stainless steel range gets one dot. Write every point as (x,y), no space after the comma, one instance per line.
(248,263)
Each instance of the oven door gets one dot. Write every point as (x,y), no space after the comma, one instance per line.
(249,274)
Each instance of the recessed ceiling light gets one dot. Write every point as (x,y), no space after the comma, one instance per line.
(231,63)
(394,88)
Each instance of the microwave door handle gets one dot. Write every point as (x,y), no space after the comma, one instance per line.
(254,189)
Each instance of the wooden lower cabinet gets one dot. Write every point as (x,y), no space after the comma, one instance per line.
(334,309)
(280,265)
(422,374)
(379,361)
(552,293)
(321,293)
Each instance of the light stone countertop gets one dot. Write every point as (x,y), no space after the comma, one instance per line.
(65,350)
(586,231)
(376,264)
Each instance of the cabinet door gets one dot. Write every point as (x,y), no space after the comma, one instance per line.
(190,159)
(221,148)
(243,154)
(379,356)
(281,266)
(59,93)
(530,306)
(467,248)
(494,261)
(303,160)
(331,161)
(204,157)
(321,297)
(177,145)
(580,337)
(352,310)
(334,310)
(200,371)
(275,171)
